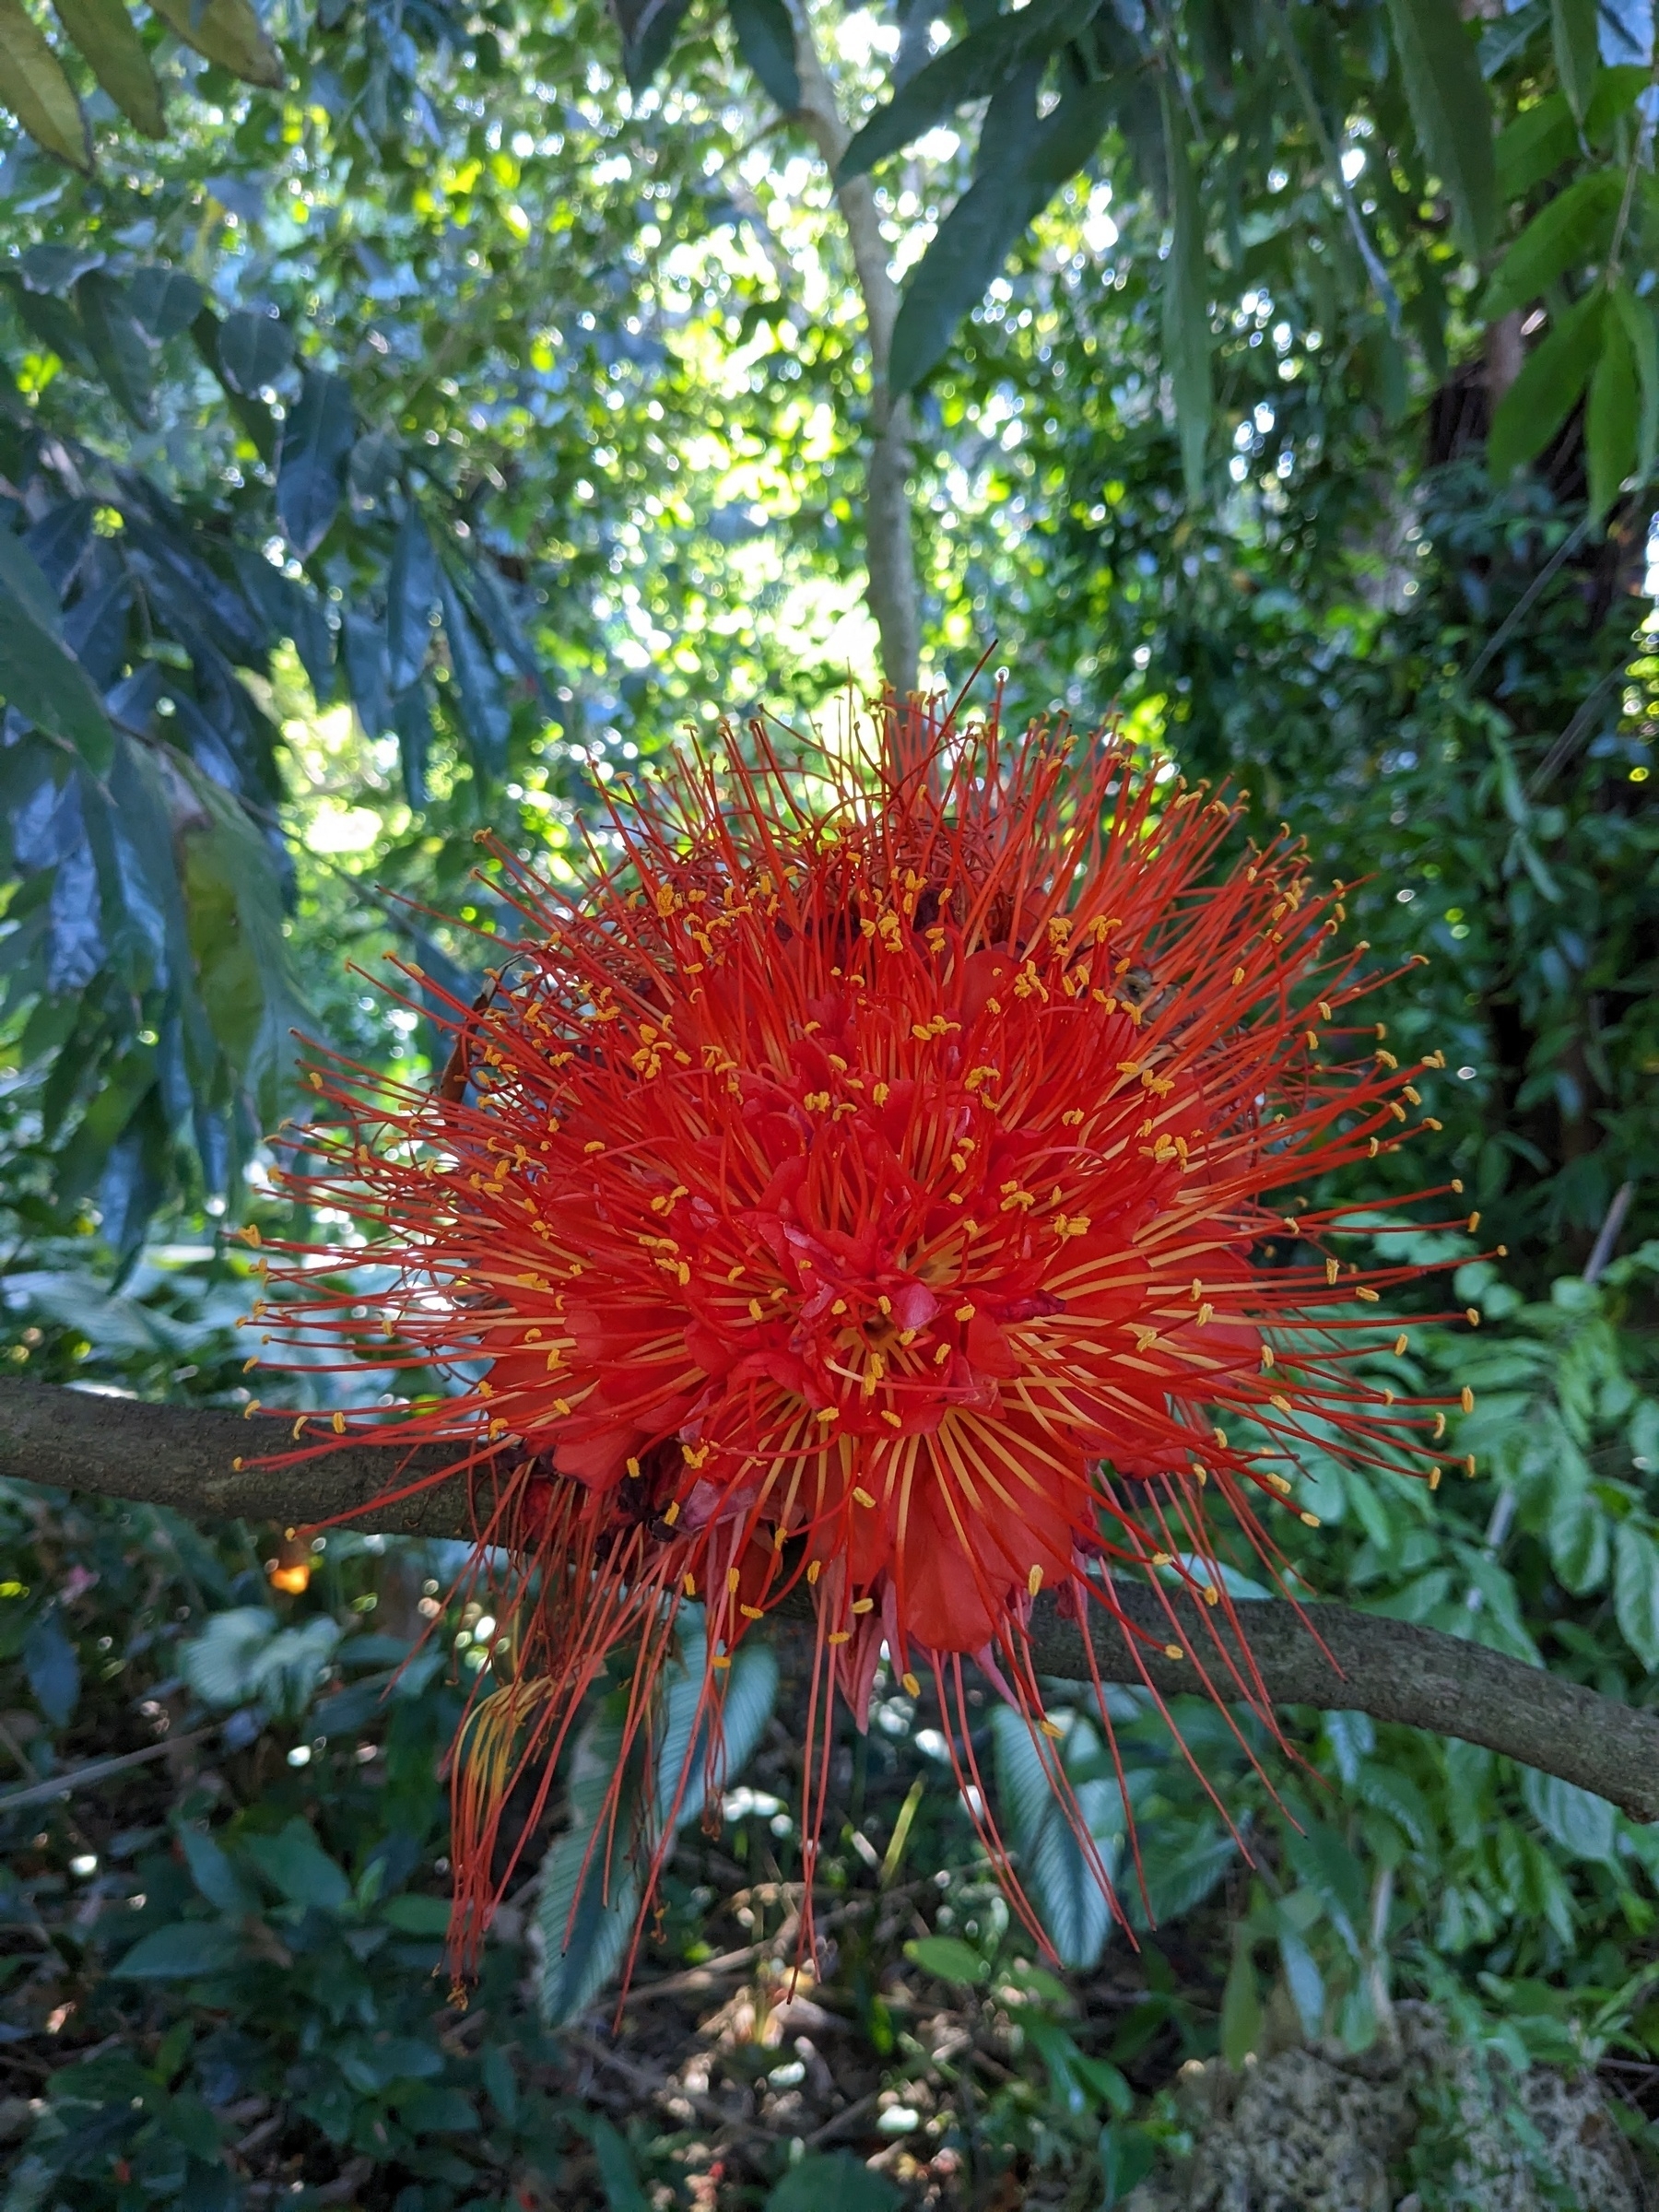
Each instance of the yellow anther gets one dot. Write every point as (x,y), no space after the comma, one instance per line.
(1370,1296)
(672,1513)
(1051,1728)
(1331,1271)
(593,1145)
(751,1613)
(813,1568)
(1173,1651)
(733,1578)
(892,1419)
(689,1585)
(1309,1520)
(839,1636)
(1400,1344)
(1034,1580)
(864,1605)
(863,1497)
(1474,1222)
(965,1313)
(1466,1399)
(912,1688)
(1472,1315)
(1238,977)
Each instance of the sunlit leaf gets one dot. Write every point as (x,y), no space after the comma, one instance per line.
(32,85)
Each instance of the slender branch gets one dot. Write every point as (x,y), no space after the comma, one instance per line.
(182,1457)
(890,551)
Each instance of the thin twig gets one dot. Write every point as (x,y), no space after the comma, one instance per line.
(95,1771)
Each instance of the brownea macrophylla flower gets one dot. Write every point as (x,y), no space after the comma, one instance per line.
(883,1196)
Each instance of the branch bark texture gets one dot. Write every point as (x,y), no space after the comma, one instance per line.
(182,1456)
(890,549)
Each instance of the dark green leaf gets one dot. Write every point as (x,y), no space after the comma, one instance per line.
(215,1875)
(298,1868)
(833,2181)
(106,35)
(1638,319)
(1450,107)
(1612,418)
(37,675)
(1551,381)
(484,712)
(416,1915)
(317,438)
(117,344)
(181,1953)
(412,596)
(53,1667)
(981,64)
(432,2111)
(648,29)
(228,32)
(1186,328)
(1572,29)
(363,650)
(619,2176)
(254,350)
(1575,227)
(1241,2007)
(1617,91)
(1302,1978)
(947,1959)
(765,40)
(1033,160)
(165,301)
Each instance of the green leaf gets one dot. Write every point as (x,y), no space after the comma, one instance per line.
(37,674)
(1534,146)
(105,34)
(316,438)
(53,1666)
(254,350)
(1186,328)
(164,302)
(182,1953)
(1575,227)
(947,1959)
(1547,389)
(1323,1864)
(1302,1978)
(1030,161)
(1573,34)
(833,2181)
(1241,2006)
(1637,320)
(412,596)
(436,2111)
(214,1874)
(1617,91)
(416,1915)
(228,32)
(1577,1536)
(117,344)
(648,29)
(1636,1593)
(1612,417)
(975,68)
(1580,1822)
(619,2176)
(765,35)
(295,1864)
(484,711)
(1449,104)
(32,85)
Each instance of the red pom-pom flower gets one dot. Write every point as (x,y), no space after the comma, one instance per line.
(879,1193)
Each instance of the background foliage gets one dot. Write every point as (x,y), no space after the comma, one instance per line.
(417,446)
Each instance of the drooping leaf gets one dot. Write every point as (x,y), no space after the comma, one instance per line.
(37,675)
(412,596)
(1573,35)
(1534,146)
(32,85)
(214,1874)
(107,37)
(254,350)
(1303,1977)
(117,344)
(228,32)
(1575,227)
(363,650)
(648,29)
(1636,1593)
(1612,417)
(1448,99)
(1029,163)
(765,35)
(1551,381)
(1186,329)
(316,438)
(990,57)
(1241,2007)
(164,300)
(1638,319)
(484,712)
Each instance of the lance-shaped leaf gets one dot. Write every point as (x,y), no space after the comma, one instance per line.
(38,676)
(317,438)
(1449,105)
(118,345)
(765,40)
(1573,31)
(106,35)
(1547,389)
(648,29)
(32,85)
(411,600)
(228,32)
(1576,228)
(484,712)
(254,350)
(1186,330)
(1029,161)
(1612,416)
(987,59)
(1637,316)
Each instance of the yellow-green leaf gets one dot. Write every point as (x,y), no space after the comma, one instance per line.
(228,32)
(32,85)
(115,52)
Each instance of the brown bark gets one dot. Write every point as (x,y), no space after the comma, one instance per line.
(184,1457)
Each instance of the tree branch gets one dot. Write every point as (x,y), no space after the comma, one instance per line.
(889,552)
(182,1457)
